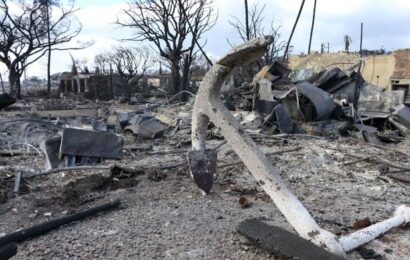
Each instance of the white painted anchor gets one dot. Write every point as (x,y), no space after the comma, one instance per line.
(209,107)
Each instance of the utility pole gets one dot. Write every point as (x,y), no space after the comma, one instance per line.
(248,34)
(111,83)
(293,30)
(49,48)
(181,6)
(45,9)
(313,25)
(361,39)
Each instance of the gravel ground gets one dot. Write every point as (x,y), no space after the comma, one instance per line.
(170,218)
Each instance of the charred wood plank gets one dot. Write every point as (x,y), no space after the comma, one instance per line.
(8,251)
(281,242)
(40,229)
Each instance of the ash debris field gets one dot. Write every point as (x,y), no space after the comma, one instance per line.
(125,178)
(340,180)
(158,150)
(170,218)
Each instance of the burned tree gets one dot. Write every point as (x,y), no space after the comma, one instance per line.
(103,62)
(254,27)
(24,35)
(131,64)
(174,27)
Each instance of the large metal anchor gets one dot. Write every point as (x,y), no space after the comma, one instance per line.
(202,162)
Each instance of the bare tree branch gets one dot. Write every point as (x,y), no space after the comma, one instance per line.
(24,35)
(173,26)
(255,29)
(131,63)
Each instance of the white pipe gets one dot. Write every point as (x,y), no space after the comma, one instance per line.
(361,237)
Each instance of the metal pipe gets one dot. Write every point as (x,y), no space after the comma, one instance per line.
(23,234)
(363,236)
(8,251)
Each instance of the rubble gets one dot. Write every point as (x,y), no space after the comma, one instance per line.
(401,119)
(169,153)
(329,95)
(147,128)
(316,105)
(65,153)
(51,150)
(80,146)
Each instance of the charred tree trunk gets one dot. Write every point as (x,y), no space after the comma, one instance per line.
(18,89)
(111,84)
(14,83)
(2,84)
(185,77)
(49,71)
(128,85)
(176,76)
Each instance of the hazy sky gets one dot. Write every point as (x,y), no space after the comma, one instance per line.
(386,23)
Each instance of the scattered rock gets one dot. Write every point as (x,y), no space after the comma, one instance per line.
(244,202)
(363,223)
(383,168)
(157,175)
